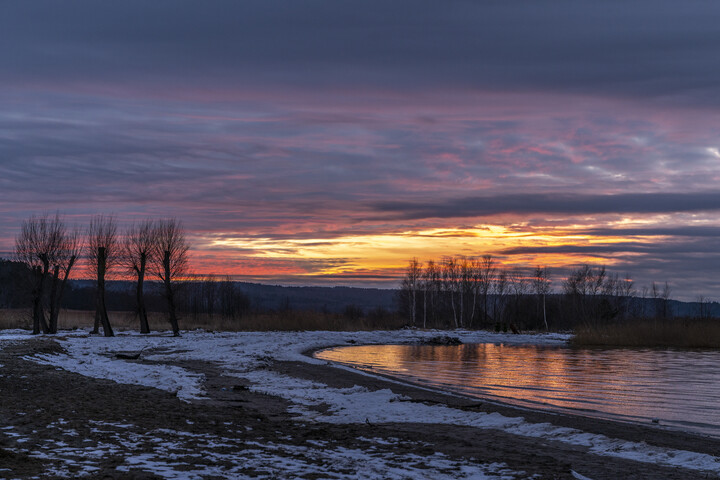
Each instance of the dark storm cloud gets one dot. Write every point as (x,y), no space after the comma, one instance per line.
(570,204)
(645,48)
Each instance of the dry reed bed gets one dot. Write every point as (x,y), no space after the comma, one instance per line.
(281,321)
(675,333)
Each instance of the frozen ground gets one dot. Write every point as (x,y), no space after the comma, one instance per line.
(246,357)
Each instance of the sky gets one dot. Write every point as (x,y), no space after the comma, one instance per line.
(328,142)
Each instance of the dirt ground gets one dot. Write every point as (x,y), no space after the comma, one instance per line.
(56,424)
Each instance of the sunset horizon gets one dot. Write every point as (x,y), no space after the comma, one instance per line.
(327,145)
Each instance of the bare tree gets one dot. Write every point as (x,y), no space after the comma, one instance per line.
(665,296)
(68,253)
(137,252)
(500,290)
(103,254)
(451,281)
(703,303)
(38,246)
(170,261)
(655,292)
(464,284)
(486,272)
(519,288)
(541,285)
(427,279)
(412,275)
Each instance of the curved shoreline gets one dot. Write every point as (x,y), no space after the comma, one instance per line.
(259,392)
(660,435)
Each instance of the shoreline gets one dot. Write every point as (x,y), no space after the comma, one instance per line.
(666,436)
(268,411)
(509,404)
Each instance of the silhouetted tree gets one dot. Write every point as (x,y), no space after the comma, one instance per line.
(103,255)
(137,252)
(71,247)
(665,301)
(170,261)
(413,274)
(42,243)
(500,290)
(486,270)
(451,283)
(541,285)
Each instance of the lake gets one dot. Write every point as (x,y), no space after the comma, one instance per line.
(681,389)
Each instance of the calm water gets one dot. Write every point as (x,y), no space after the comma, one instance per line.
(680,388)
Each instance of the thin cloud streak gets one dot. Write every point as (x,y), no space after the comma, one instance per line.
(563,204)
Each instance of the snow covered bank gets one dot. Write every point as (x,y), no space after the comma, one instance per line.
(245,354)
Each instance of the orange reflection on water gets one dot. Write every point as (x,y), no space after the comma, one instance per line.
(633,385)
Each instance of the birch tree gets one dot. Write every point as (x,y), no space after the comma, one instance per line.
(541,285)
(413,274)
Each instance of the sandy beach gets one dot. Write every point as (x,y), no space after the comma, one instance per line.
(255,405)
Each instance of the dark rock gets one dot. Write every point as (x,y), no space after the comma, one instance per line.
(443,340)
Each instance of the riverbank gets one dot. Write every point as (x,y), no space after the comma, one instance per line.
(231,405)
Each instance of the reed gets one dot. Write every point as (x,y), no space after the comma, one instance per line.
(674,333)
(281,321)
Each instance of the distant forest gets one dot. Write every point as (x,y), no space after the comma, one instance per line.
(477,292)
(453,292)
(220,296)
(212,295)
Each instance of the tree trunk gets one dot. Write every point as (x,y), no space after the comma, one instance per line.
(56,310)
(472,312)
(170,295)
(425,308)
(38,314)
(414,305)
(41,293)
(485,309)
(144,325)
(462,305)
(101,315)
(452,303)
(53,296)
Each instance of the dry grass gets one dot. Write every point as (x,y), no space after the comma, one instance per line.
(676,333)
(290,321)
(15,319)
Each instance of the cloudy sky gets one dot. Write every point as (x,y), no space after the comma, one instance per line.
(327,142)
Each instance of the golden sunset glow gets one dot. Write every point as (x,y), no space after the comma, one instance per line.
(390,252)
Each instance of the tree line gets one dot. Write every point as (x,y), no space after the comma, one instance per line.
(51,250)
(478,292)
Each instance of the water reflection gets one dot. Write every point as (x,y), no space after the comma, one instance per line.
(682,389)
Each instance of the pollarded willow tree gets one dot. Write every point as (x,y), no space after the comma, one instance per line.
(103,255)
(170,261)
(138,248)
(71,246)
(49,250)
